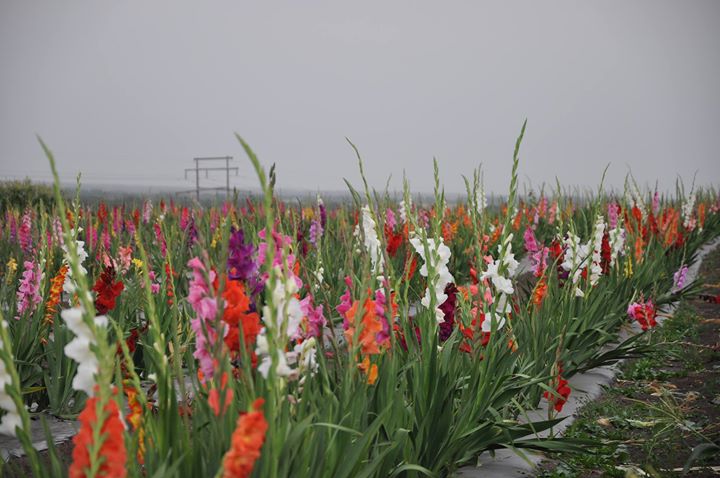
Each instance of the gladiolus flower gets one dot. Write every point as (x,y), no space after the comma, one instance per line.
(112,451)
(247,440)
(644,313)
(28,294)
(107,291)
(56,288)
(562,389)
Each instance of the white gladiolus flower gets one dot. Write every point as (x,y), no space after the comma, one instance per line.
(69,285)
(687,211)
(371,241)
(617,243)
(285,323)
(487,323)
(403,208)
(79,349)
(438,260)
(305,355)
(288,311)
(595,265)
(502,284)
(12,418)
(576,255)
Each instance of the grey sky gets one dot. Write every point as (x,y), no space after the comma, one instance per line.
(130,91)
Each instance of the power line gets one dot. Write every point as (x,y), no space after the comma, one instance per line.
(206,169)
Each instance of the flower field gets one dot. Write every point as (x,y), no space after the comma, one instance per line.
(375,338)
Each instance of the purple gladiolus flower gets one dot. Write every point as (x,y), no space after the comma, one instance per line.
(680,277)
(241,264)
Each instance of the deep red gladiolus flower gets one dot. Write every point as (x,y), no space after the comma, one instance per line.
(393,241)
(107,291)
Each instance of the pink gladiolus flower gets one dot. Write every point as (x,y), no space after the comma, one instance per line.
(613,211)
(28,294)
(205,307)
(315,319)
(25,232)
(390,218)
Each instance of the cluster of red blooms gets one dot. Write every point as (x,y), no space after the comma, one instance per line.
(112,453)
(247,440)
(107,290)
(644,313)
(561,388)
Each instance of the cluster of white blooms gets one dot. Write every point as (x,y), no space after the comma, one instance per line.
(576,255)
(403,210)
(305,356)
(480,199)
(687,211)
(502,283)
(617,243)
(636,199)
(598,233)
(70,286)
(319,274)
(285,325)
(79,349)
(12,418)
(371,241)
(437,260)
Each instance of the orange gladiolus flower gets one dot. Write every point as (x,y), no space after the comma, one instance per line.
(214,396)
(247,440)
(56,287)
(701,214)
(134,418)
(371,370)
(539,292)
(112,452)
(370,326)
(238,316)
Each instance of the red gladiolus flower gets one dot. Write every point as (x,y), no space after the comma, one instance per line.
(112,452)
(562,389)
(643,313)
(107,291)
(247,440)
(393,241)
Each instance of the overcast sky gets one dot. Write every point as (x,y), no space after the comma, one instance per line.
(129,92)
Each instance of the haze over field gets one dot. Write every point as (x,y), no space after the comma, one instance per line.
(128,93)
